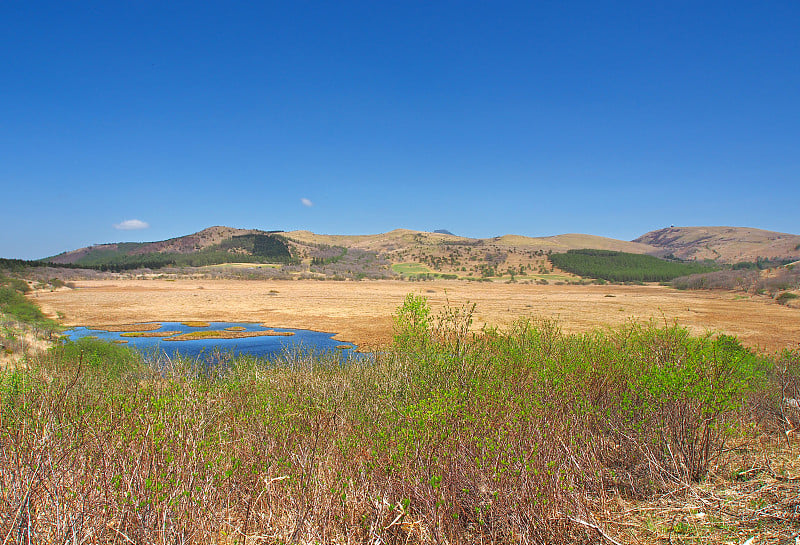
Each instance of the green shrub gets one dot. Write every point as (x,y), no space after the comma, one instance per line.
(412,324)
(685,388)
(785,297)
(673,392)
(101,358)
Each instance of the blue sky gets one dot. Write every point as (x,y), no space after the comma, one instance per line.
(484,118)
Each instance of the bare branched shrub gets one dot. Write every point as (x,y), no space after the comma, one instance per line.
(741,280)
(749,281)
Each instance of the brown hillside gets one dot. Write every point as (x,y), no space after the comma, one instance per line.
(725,244)
(380,243)
(196,241)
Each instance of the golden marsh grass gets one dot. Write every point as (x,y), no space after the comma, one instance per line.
(125,327)
(149,333)
(221,334)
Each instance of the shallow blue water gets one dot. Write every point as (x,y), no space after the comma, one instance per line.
(263,347)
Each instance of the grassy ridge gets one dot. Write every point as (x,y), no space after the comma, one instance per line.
(448,436)
(623,267)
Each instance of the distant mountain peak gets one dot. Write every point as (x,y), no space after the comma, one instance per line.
(443,232)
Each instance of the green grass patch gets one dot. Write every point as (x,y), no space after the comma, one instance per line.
(422,272)
(411,268)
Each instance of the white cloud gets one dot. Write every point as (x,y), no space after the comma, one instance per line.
(131,225)
(306,202)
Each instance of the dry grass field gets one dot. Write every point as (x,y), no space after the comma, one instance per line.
(361,312)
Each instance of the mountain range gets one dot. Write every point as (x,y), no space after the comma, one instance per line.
(440,250)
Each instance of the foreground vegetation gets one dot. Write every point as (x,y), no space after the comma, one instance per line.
(527,435)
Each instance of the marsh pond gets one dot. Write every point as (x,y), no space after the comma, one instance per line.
(199,339)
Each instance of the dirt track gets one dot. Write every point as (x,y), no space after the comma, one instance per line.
(361,312)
